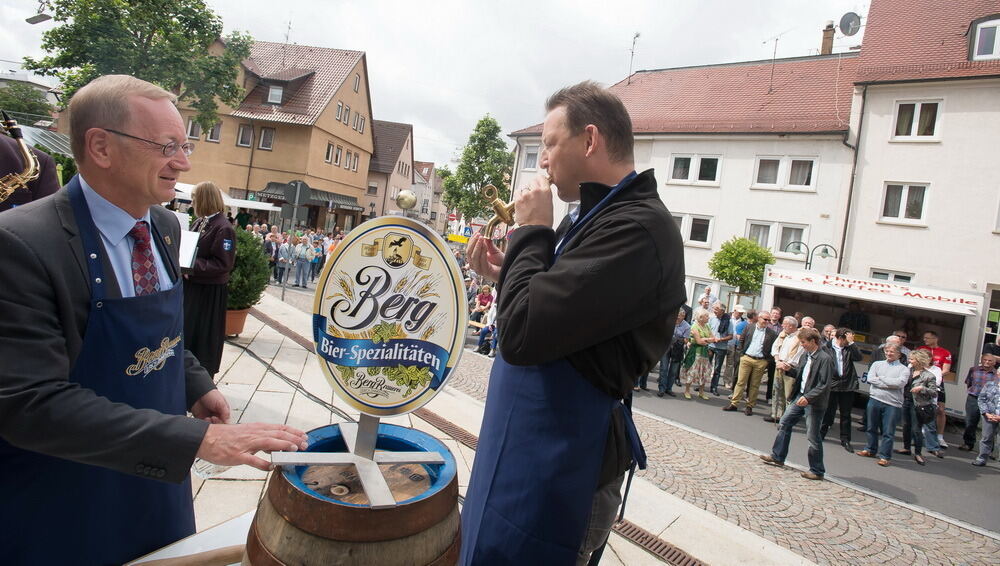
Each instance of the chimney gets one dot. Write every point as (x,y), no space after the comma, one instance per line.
(827,47)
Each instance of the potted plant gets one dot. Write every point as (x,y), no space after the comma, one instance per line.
(247,281)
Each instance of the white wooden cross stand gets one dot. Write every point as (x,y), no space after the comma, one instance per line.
(360,438)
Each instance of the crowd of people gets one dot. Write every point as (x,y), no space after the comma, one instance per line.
(808,372)
(299,254)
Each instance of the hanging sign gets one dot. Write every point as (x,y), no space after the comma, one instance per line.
(389,316)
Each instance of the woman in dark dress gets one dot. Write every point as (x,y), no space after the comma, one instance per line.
(205,284)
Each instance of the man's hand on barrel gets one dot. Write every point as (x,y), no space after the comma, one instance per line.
(484,257)
(232,445)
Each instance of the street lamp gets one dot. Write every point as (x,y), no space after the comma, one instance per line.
(371,210)
(825,251)
(41,16)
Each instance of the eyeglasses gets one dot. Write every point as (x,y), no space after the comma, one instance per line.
(169,149)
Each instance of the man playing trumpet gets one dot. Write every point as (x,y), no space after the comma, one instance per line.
(585,308)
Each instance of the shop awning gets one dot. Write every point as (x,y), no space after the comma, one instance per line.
(183,191)
(317,197)
(890,292)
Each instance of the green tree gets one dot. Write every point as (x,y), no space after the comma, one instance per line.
(485,161)
(740,263)
(22,98)
(165,42)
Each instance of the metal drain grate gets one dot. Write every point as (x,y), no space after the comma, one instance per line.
(448,427)
(655,545)
(626,529)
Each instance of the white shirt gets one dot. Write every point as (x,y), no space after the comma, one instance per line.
(805,372)
(838,352)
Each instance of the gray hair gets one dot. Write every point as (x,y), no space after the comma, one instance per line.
(718,305)
(698,312)
(893,340)
(791,319)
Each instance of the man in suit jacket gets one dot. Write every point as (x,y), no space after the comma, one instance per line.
(845,383)
(813,375)
(11,161)
(93,387)
(755,354)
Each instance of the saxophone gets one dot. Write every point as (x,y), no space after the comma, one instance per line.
(13,181)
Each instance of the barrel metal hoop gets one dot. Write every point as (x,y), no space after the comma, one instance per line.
(359,524)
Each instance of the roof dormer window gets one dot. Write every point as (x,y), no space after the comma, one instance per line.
(274,94)
(986,39)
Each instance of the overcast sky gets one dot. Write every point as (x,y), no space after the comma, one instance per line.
(442,65)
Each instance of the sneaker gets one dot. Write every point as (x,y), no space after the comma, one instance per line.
(942,442)
(979,462)
(492,354)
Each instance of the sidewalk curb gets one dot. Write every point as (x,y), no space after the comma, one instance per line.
(833,479)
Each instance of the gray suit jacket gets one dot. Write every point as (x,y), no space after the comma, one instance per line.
(44,305)
(822,372)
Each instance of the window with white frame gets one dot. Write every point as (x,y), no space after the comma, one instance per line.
(372,188)
(695,169)
(274,93)
(986,41)
(904,202)
(329,153)
(340,109)
(194,129)
(357,118)
(357,82)
(425,206)
(530,157)
(434,215)
(244,138)
(354,167)
(777,236)
(337,154)
(785,173)
(215,134)
(695,229)
(916,119)
(347,114)
(888,275)
(266,138)
(361,127)
(347,160)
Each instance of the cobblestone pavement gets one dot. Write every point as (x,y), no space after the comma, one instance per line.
(824,522)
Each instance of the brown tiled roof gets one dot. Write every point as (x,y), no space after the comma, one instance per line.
(289,75)
(809,95)
(389,139)
(909,40)
(425,168)
(271,60)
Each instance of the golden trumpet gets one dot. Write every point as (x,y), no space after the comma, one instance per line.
(504,211)
(13,181)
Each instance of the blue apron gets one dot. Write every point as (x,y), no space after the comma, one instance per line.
(56,511)
(538,460)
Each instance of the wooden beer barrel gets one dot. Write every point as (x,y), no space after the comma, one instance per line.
(319,514)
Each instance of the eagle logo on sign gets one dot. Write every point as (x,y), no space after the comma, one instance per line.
(397,249)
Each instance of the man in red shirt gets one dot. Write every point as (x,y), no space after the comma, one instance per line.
(940,358)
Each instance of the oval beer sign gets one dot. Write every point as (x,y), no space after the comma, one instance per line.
(389,316)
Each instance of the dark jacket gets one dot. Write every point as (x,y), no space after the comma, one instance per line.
(849,355)
(12,162)
(769,337)
(608,305)
(821,374)
(216,252)
(45,304)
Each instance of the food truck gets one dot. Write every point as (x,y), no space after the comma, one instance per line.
(875,308)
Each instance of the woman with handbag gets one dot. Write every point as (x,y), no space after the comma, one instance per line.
(918,404)
(696,368)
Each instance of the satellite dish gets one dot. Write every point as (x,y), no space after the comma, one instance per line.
(850,23)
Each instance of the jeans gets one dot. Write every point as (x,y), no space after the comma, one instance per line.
(930,437)
(279,272)
(882,421)
(302,273)
(844,402)
(642,380)
(913,434)
(718,362)
(971,420)
(317,266)
(989,438)
(814,417)
(669,371)
(487,331)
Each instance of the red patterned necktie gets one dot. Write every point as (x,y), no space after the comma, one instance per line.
(143,269)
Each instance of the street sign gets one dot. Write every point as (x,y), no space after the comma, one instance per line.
(288,212)
(467,232)
(458,238)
